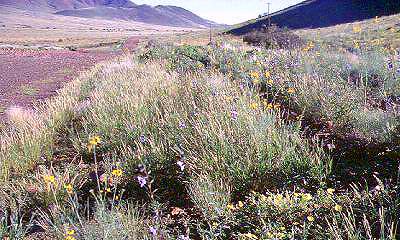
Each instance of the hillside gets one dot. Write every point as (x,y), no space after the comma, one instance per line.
(56,5)
(323,13)
(160,15)
(114,10)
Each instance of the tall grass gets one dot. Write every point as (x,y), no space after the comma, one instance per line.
(203,143)
(178,126)
(347,90)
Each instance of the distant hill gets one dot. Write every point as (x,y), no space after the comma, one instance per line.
(56,5)
(114,9)
(160,15)
(323,13)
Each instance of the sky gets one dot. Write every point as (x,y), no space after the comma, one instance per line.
(225,11)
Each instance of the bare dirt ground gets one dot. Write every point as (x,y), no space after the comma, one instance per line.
(28,75)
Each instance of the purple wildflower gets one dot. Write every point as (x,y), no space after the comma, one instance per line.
(234,114)
(241,86)
(390,64)
(153,231)
(142,139)
(331,146)
(181,164)
(182,125)
(141,168)
(142,181)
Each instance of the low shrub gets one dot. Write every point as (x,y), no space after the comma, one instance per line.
(274,38)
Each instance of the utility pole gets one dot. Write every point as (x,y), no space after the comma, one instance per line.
(269,17)
(210,33)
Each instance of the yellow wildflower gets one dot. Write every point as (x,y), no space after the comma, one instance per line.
(330,190)
(277,106)
(338,208)
(230,206)
(256,81)
(310,218)
(116,197)
(267,74)
(70,238)
(254,106)
(255,75)
(49,179)
(356,29)
(291,90)
(307,197)
(228,98)
(279,197)
(356,44)
(70,231)
(69,188)
(270,81)
(240,204)
(267,105)
(117,172)
(95,140)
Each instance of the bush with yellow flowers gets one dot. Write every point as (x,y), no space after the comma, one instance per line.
(298,214)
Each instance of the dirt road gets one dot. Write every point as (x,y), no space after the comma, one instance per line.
(28,75)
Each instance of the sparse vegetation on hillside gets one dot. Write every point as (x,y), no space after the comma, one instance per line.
(223,141)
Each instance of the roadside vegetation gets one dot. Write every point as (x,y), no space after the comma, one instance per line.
(223,141)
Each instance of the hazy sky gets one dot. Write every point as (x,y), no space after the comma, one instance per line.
(225,11)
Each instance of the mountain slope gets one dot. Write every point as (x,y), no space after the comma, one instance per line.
(56,5)
(184,14)
(114,9)
(324,13)
(160,15)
